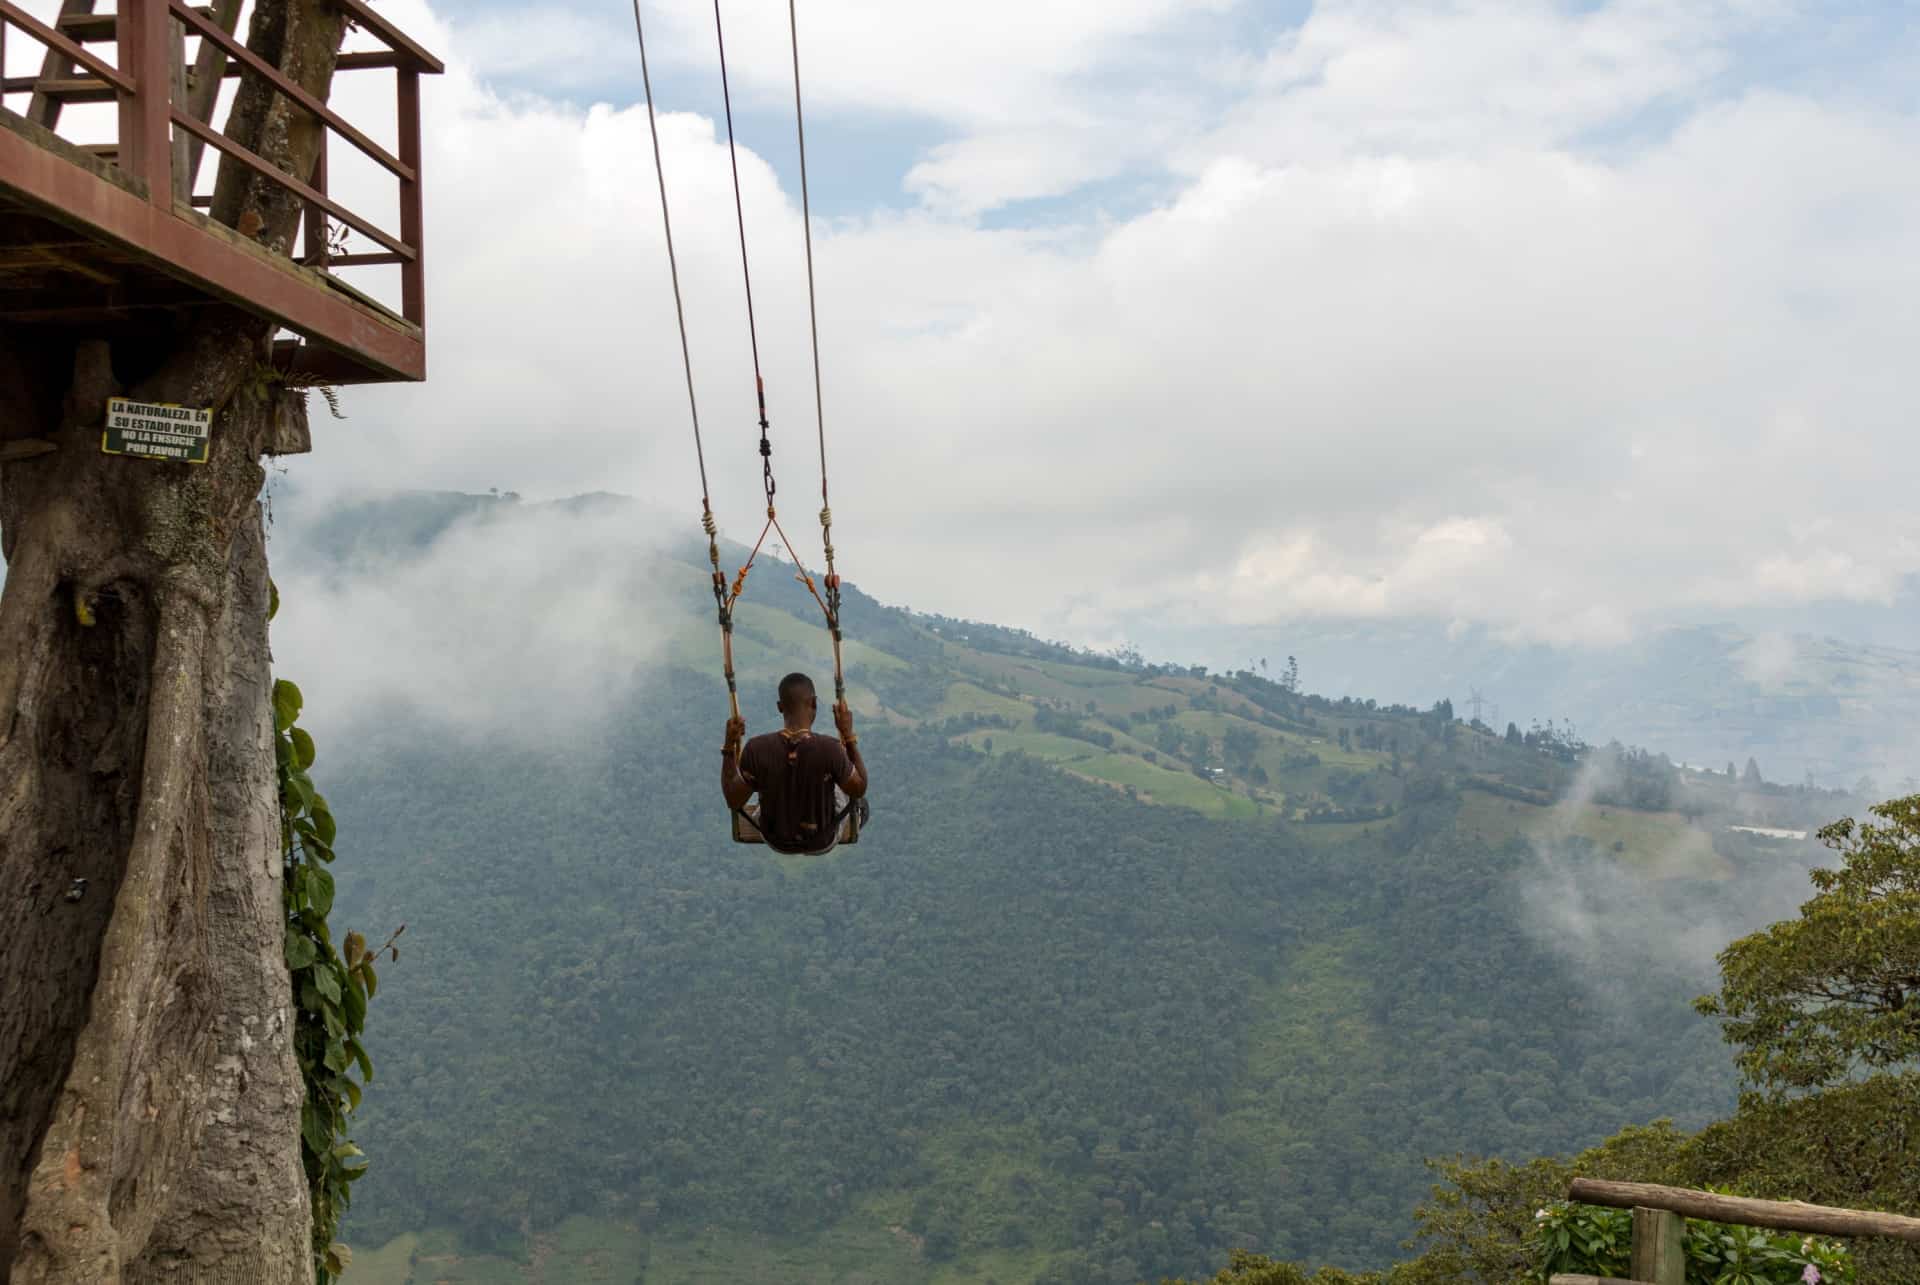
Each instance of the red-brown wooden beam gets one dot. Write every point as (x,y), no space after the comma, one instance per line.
(315,217)
(219,261)
(278,79)
(413,230)
(146,147)
(209,66)
(48,36)
(395,39)
(67,89)
(371,60)
(320,365)
(266,169)
(95,28)
(43,109)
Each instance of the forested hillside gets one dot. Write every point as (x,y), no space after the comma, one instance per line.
(1135,964)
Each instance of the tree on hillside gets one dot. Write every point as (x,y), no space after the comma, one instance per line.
(1240,744)
(1815,1000)
(1752,775)
(150,1103)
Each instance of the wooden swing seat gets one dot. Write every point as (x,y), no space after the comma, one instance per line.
(847,822)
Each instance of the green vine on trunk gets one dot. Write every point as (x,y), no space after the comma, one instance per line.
(331,987)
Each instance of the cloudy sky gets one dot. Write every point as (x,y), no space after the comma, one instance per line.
(1560,318)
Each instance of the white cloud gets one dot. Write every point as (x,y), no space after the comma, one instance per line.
(1821,574)
(991,63)
(536,621)
(1400,343)
(1768,658)
(972,174)
(555,48)
(1470,74)
(1418,573)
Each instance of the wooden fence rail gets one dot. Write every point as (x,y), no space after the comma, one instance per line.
(1780,1215)
(1658,1229)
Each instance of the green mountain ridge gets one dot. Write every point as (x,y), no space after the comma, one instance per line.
(1137,964)
(1802,694)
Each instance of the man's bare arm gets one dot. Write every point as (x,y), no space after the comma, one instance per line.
(856,783)
(735,786)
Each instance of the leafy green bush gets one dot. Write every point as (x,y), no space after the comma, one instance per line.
(331,986)
(1592,1241)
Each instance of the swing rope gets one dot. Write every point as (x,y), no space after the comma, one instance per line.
(693,406)
(832,605)
(746,276)
(725,597)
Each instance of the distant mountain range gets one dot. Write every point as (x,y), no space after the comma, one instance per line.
(1830,695)
(1803,703)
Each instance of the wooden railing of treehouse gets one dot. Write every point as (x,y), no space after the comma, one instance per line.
(1659,1230)
(162,126)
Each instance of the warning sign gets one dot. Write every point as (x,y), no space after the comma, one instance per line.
(157,431)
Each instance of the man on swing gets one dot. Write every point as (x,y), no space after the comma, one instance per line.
(794,771)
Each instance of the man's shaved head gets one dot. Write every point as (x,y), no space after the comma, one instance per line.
(794,688)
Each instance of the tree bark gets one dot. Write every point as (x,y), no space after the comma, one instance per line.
(149,1098)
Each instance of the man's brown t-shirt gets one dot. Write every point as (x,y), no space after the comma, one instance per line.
(796,781)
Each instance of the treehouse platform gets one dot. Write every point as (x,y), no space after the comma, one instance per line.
(102,231)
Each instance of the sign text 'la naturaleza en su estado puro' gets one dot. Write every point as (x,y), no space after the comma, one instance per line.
(157,431)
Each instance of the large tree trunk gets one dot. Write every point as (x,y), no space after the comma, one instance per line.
(149,1098)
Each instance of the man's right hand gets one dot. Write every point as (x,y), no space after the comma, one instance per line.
(733,782)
